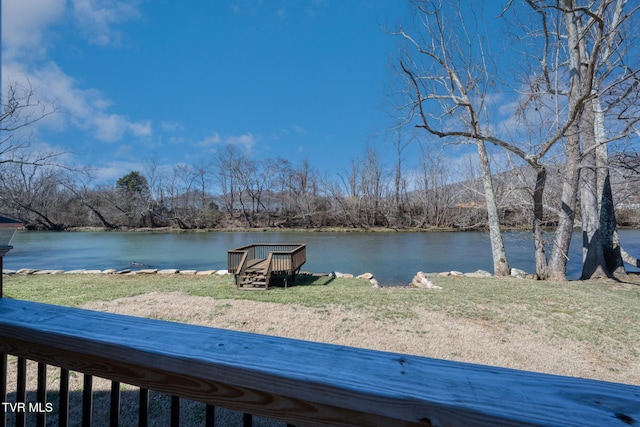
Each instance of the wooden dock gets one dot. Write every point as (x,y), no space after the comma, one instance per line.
(258,265)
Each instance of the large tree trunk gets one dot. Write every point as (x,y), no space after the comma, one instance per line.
(593,264)
(500,264)
(612,252)
(611,249)
(562,240)
(538,218)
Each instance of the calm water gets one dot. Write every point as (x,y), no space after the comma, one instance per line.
(393,258)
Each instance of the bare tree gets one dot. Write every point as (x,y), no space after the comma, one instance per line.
(21,107)
(570,39)
(399,182)
(597,65)
(227,163)
(78,184)
(448,78)
(372,187)
(612,113)
(304,187)
(281,176)
(30,177)
(34,195)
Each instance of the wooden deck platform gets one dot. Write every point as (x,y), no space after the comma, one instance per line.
(258,265)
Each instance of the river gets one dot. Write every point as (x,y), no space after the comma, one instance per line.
(393,258)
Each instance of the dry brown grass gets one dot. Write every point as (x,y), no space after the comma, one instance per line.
(498,323)
(428,333)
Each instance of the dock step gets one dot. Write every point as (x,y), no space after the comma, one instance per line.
(254,278)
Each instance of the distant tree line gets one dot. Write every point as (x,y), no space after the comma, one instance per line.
(233,190)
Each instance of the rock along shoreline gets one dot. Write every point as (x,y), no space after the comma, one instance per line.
(420,280)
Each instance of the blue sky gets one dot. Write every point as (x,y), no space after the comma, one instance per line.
(173,81)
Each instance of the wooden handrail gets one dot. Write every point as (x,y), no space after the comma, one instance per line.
(242,266)
(234,258)
(267,273)
(305,383)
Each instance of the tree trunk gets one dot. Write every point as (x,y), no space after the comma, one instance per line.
(612,252)
(500,264)
(562,240)
(538,219)
(97,213)
(44,219)
(593,264)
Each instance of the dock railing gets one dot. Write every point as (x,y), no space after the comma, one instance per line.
(296,382)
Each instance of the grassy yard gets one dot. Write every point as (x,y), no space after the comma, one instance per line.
(584,329)
(600,313)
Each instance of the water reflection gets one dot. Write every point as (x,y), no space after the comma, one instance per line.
(392,257)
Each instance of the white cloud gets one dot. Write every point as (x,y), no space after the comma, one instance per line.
(293,129)
(27,27)
(175,140)
(171,126)
(113,127)
(246,139)
(97,19)
(208,141)
(85,109)
(110,127)
(25,23)
(114,170)
(141,129)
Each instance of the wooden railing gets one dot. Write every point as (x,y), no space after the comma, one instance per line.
(241,266)
(287,260)
(269,269)
(297,382)
(295,252)
(283,259)
(235,259)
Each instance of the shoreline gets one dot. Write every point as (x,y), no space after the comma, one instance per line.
(420,280)
(293,230)
(263,230)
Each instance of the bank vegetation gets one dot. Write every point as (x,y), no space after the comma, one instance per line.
(235,191)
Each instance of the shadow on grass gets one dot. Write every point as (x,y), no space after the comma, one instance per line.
(633,278)
(301,280)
